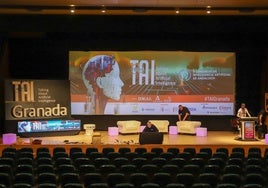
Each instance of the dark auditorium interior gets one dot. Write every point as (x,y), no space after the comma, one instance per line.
(35,38)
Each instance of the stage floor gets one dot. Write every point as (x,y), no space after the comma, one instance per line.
(213,140)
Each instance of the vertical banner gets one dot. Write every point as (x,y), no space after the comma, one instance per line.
(37,99)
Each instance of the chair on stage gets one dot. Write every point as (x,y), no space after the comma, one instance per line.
(129,126)
(188,127)
(162,125)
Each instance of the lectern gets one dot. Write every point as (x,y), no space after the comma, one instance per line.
(248,128)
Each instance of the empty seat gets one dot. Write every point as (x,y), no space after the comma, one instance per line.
(44,160)
(123,150)
(159,161)
(206,150)
(101,161)
(24,178)
(47,177)
(24,168)
(208,178)
(187,179)
(173,150)
(119,161)
(58,149)
(254,178)
(65,168)
(113,155)
(137,179)
(82,161)
(6,179)
(42,149)
(107,150)
(232,179)
(162,178)
(66,178)
(115,178)
(45,168)
(92,178)
(157,150)
(89,150)
(232,169)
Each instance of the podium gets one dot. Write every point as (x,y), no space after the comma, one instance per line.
(248,128)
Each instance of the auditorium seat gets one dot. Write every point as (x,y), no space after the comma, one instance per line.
(6,179)
(201,185)
(98,185)
(24,178)
(175,185)
(73,185)
(115,178)
(162,178)
(47,185)
(45,168)
(150,185)
(187,179)
(138,178)
(232,178)
(46,177)
(69,177)
(124,185)
(254,178)
(159,161)
(119,161)
(173,150)
(232,169)
(208,178)
(123,150)
(21,185)
(93,178)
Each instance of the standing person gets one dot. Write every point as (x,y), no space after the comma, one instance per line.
(150,127)
(243,111)
(184,113)
(262,124)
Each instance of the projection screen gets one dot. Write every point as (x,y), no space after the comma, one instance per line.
(151,82)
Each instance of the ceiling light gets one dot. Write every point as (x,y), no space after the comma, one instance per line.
(208,9)
(103,9)
(177,11)
(72,9)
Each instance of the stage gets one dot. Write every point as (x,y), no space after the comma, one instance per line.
(101,139)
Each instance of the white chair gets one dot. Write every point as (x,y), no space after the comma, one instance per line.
(128,126)
(188,127)
(162,125)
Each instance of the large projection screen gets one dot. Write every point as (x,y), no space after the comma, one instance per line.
(151,82)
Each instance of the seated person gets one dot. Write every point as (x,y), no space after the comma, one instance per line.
(150,127)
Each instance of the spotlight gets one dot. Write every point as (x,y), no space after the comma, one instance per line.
(177,11)
(72,9)
(103,9)
(208,10)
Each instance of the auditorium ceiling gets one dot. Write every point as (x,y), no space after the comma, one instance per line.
(135,7)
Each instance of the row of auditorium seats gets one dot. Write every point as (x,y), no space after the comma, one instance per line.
(140,168)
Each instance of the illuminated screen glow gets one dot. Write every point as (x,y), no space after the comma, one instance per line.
(151,82)
(48,126)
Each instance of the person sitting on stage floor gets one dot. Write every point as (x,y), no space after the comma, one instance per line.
(262,124)
(150,127)
(184,113)
(243,111)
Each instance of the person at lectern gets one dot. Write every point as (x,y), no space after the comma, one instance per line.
(150,127)
(243,111)
(184,113)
